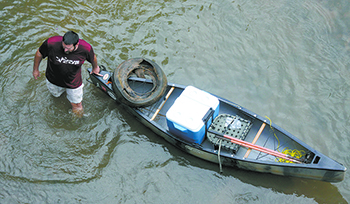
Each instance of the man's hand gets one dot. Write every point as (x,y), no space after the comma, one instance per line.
(96,71)
(36,74)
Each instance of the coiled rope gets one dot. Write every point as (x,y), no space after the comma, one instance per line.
(291,152)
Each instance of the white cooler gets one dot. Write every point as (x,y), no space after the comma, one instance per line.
(202,97)
(185,116)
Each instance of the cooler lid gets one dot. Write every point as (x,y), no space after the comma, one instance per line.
(201,96)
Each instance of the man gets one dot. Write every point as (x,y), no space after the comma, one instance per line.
(66,55)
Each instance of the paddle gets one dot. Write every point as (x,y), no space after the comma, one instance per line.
(255,147)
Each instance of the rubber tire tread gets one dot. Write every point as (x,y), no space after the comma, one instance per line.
(123,91)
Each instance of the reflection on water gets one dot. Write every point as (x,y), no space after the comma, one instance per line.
(287,60)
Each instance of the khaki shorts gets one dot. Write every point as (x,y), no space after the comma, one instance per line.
(73,95)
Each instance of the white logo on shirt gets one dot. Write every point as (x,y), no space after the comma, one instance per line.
(64,60)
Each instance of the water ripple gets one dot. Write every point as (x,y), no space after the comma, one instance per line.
(287,60)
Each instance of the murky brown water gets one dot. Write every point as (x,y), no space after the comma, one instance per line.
(288,60)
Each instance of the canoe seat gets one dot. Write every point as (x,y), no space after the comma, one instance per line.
(230,125)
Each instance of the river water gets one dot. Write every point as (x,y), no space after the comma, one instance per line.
(288,60)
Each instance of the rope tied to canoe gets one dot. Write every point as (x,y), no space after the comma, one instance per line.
(220,165)
(298,154)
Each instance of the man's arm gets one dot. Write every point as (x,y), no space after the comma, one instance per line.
(37,59)
(95,67)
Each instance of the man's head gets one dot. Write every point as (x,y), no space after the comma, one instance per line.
(70,41)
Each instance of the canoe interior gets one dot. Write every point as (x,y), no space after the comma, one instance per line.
(314,164)
(270,137)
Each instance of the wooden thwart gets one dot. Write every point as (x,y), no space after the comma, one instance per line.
(255,139)
(162,104)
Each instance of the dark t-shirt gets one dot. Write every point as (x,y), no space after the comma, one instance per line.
(63,69)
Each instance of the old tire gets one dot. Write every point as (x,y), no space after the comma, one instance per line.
(155,78)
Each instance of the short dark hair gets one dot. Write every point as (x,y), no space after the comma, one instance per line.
(70,38)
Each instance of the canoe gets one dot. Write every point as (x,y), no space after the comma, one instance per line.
(217,130)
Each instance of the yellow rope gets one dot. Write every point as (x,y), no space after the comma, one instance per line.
(294,153)
(274,133)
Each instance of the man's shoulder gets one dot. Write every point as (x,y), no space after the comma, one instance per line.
(85,44)
(54,39)
(52,43)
